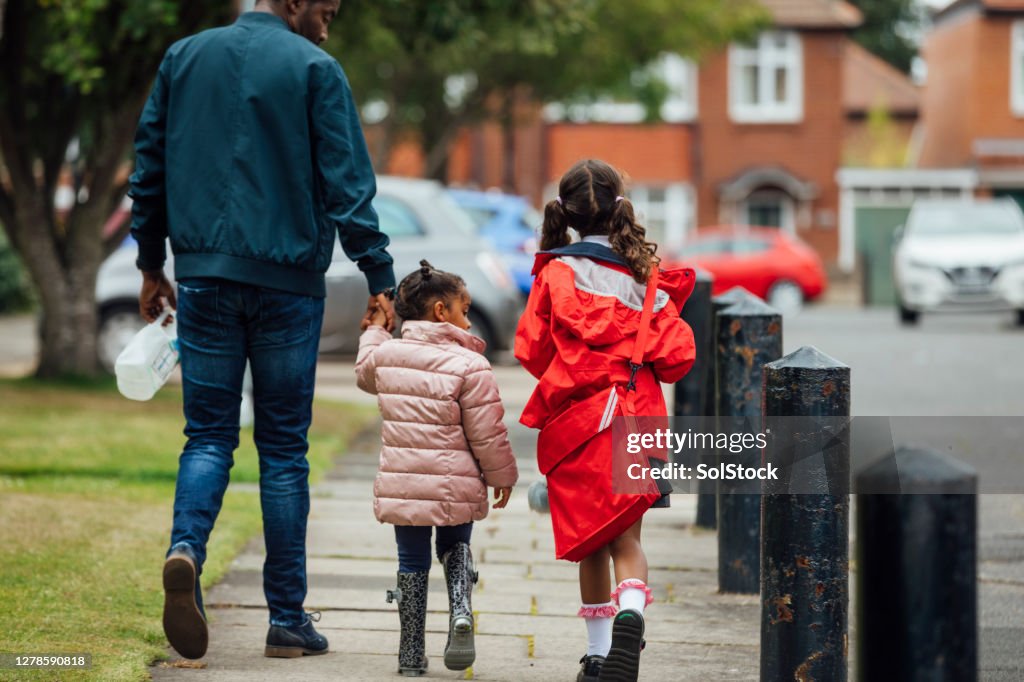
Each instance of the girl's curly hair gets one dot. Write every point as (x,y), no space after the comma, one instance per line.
(590,199)
(420,288)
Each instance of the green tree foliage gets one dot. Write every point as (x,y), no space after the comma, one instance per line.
(889,28)
(76,70)
(80,70)
(402,53)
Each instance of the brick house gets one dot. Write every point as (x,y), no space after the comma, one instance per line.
(973,108)
(970,140)
(754,134)
(657,158)
(771,124)
(882,109)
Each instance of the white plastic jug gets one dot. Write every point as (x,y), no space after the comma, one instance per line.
(146,362)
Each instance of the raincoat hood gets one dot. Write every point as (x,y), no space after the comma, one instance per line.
(602,303)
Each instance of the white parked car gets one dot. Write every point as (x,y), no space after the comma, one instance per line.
(957,255)
(422,222)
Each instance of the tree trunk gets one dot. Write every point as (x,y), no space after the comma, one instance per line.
(68,332)
(436,163)
(39,115)
(63,264)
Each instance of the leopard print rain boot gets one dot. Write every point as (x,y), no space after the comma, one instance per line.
(411,596)
(460,575)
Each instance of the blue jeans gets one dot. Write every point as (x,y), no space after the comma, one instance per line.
(414,544)
(222,324)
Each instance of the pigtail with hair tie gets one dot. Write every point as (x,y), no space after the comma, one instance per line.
(555,232)
(629,239)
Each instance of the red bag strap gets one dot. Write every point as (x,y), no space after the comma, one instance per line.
(637,360)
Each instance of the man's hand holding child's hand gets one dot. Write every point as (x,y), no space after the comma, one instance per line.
(501,495)
(377,317)
(380,311)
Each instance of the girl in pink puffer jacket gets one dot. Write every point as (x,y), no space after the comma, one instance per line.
(443,443)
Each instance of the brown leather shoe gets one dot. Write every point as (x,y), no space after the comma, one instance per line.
(184,623)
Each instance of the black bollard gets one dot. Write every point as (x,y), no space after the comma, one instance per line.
(706,511)
(805,537)
(732,296)
(691,392)
(694,393)
(748,335)
(917,553)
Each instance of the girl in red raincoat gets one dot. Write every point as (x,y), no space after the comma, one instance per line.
(579,337)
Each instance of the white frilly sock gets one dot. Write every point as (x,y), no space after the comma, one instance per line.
(599,627)
(633,593)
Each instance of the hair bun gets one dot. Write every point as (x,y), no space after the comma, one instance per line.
(426,269)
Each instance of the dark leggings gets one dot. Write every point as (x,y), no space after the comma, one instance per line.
(414,544)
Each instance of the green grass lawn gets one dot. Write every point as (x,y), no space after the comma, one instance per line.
(86,489)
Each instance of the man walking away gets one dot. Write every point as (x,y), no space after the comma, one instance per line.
(250,157)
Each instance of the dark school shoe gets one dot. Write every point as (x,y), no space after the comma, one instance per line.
(590,668)
(294,641)
(623,661)
(184,623)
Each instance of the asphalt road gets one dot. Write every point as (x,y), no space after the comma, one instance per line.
(948,366)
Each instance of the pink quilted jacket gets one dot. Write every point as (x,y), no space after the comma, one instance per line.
(443,436)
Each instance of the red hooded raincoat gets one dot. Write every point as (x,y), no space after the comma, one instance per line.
(576,337)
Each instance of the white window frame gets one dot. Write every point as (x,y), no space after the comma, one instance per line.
(767,57)
(680,106)
(677,212)
(680,75)
(1017,68)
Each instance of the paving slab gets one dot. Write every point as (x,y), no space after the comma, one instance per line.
(526,600)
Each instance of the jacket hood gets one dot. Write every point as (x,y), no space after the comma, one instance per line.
(677,282)
(441,332)
(599,301)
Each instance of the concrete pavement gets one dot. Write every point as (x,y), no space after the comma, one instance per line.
(944,367)
(526,600)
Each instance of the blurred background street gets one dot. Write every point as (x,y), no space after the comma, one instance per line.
(857,164)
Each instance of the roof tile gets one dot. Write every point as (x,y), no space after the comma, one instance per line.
(869,81)
(814,13)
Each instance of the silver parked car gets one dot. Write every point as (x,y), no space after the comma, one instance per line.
(956,255)
(422,222)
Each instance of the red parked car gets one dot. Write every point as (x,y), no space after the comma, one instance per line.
(767,261)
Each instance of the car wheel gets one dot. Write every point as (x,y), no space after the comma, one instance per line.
(1020,317)
(908,316)
(118,324)
(786,296)
(482,328)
